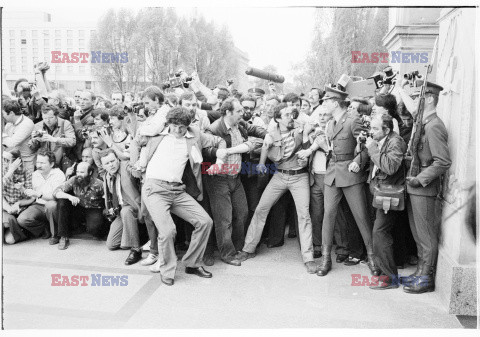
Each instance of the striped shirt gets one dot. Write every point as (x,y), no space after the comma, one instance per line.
(288,142)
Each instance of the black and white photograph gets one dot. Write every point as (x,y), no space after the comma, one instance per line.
(287,167)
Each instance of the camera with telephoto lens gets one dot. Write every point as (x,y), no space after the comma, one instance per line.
(366,121)
(112,213)
(363,136)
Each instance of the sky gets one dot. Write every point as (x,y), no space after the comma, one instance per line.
(280,36)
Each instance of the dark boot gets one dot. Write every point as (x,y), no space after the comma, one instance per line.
(325,261)
(423,283)
(372,266)
(406,280)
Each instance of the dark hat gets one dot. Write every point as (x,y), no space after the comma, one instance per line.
(432,88)
(332,92)
(257,91)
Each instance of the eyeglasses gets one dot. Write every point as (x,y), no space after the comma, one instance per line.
(247,108)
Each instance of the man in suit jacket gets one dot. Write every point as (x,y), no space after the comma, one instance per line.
(227,195)
(122,203)
(423,189)
(345,175)
(172,183)
(386,150)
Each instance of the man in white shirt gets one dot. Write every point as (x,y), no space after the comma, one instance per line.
(172,183)
(44,181)
(17,132)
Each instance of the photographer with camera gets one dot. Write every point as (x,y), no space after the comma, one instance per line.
(387,105)
(80,198)
(17,132)
(53,134)
(82,119)
(122,204)
(386,150)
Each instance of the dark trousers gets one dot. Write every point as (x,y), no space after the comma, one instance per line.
(383,242)
(422,213)
(403,241)
(357,201)
(92,216)
(228,203)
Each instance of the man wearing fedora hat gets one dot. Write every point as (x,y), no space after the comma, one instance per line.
(345,175)
(423,189)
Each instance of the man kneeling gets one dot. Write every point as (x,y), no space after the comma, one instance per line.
(122,200)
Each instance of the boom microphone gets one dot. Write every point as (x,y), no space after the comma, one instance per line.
(265,75)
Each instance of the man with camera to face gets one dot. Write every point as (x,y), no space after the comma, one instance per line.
(345,175)
(80,198)
(52,134)
(122,201)
(82,119)
(386,150)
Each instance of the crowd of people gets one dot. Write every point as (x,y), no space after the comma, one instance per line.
(193,169)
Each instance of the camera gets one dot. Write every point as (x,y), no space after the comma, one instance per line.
(85,131)
(112,213)
(295,113)
(412,76)
(363,137)
(136,107)
(39,133)
(366,121)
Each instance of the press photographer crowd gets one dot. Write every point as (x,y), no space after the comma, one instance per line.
(355,167)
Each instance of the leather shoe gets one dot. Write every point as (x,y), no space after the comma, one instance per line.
(233,262)
(311,267)
(341,258)
(167,281)
(133,257)
(384,286)
(54,240)
(243,256)
(208,260)
(64,243)
(200,271)
(280,244)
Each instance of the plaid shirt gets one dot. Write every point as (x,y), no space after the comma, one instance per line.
(90,196)
(14,187)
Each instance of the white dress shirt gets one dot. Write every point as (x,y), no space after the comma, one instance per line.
(47,185)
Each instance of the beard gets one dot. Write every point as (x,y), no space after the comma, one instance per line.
(83,181)
(291,126)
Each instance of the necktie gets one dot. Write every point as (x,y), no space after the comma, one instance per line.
(115,201)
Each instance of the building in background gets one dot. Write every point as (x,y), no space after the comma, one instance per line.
(30,37)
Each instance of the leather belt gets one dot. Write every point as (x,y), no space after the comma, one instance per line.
(342,157)
(293,172)
(167,182)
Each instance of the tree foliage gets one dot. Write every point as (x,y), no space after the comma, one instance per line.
(352,29)
(158,43)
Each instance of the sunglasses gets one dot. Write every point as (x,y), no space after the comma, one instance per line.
(247,108)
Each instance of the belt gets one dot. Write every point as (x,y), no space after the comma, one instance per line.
(293,172)
(167,182)
(342,157)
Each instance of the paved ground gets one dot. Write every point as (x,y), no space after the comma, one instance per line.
(272,290)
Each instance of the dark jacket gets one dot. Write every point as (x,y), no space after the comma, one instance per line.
(434,157)
(389,161)
(218,128)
